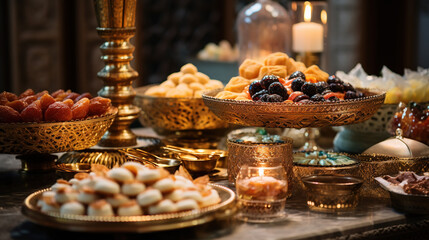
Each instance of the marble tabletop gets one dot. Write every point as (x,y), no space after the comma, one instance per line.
(374,217)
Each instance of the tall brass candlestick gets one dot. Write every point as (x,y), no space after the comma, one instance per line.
(116,25)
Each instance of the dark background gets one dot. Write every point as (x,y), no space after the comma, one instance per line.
(51,44)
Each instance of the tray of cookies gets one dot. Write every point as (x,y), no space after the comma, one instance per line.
(52,122)
(130,198)
(280,92)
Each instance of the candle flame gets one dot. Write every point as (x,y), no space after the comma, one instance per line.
(324,16)
(307,11)
(261,172)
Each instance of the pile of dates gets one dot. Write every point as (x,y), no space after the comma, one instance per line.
(59,106)
(413,119)
(297,88)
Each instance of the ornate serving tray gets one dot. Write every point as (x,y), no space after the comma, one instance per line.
(145,223)
(51,137)
(295,115)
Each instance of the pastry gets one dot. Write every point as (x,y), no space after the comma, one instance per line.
(105,186)
(130,208)
(187,204)
(192,194)
(117,199)
(148,197)
(164,185)
(132,188)
(74,208)
(211,199)
(100,208)
(249,69)
(149,175)
(120,174)
(65,194)
(86,195)
(165,206)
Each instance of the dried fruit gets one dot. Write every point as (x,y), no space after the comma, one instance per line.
(309,89)
(80,109)
(3,99)
(56,93)
(296,75)
(350,95)
(40,94)
(278,89)
(45,101)
(99,106)
(257,96)
(10,96)
(255,87)
(267,80)
(29,99)
(317,98)
(18,105)
(72,96)
(334,79)
(83,95)
(297,84)
(301,97)
(32,113)
(61,96)
(26,93)
(69,102)
(8,115)
(58,112)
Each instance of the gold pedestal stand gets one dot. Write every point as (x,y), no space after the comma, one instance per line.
(116,25)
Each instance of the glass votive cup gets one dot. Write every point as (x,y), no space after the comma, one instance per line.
(261,193)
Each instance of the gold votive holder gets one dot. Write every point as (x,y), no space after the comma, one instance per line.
(261,193)
(332,193)
(255,154)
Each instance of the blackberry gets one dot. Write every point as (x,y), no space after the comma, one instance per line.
(317,98)
(350,95)
(301,97)
(321,86)
(336,87)
(296,75)
(309,89)
(257,96)
(334,79)
(279,89)
(348,87)
(271,98)
(255,87)
(267,80)
(297,84)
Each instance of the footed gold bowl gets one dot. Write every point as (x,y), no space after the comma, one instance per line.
(52,137)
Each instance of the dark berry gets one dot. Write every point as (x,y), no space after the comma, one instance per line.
(317,98)
(348,87)
(301,97)
(255,87)
(336,87)
(321,86)
(304,101)
(334,79)
(309,89)
(271,98)
(258,95)
(267,80)
(359,94)
(279,89)
(297,84)
(296,75)
(326,92)
(350,95)
(333,99)
(416,108)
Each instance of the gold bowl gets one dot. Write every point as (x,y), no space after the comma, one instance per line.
(198,164)
(178,117)
(52,137)
(331,193)
(295,115)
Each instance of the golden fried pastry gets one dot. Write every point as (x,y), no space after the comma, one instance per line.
(156,91)
(202,78)
(213,84)
(237,84)
(189,68)
(293,66)
(188,78)
(314,71)
(174,77)
(277,58)
(227,95)
(250,69)
(278,70)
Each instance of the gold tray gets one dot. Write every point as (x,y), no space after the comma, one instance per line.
(293,115)
(51,137)
(146,223)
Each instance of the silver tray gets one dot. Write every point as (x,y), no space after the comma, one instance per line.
(145,223)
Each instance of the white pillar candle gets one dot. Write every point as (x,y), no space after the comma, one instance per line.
(307,37)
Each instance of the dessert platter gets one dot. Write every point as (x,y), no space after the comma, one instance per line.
(280,92)
(133,197)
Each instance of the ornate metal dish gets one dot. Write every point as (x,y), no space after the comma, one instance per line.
(51,137)
(177,116)
(145,223)
(292,115)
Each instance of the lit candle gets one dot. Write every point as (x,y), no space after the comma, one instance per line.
(307,36)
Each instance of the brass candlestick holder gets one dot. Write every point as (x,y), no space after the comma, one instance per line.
(116,25)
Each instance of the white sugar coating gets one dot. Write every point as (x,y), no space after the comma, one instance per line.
(74,208)
(165,206)
(187,204)
(86,198)
(211,199)
(164,185)
(88,182)
(67,196)
(106,186)
(148,175)
(57,186)
(149,197)
(193,195)
(74,181)
(120,174)
(132,188)
(134,164)
(183,183)
(176,195)
(133,210)
(117,199)
(104,209)
(50,208)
